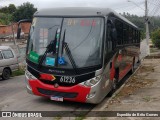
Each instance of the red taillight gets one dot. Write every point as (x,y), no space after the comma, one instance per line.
(47,77)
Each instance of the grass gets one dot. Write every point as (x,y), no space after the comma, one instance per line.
(152,50)
(57,118)
(80,118)
(18,72)
(146,98)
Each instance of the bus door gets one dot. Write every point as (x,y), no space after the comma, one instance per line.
(121,63)
(110,47)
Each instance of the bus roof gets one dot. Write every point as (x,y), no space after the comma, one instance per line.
(80,11)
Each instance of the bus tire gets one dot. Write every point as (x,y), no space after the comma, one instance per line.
(114,83)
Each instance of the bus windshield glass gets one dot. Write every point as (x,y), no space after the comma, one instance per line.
(74,40)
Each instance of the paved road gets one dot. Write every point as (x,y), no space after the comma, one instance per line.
(14,97)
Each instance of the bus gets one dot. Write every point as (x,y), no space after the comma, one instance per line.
(79,54)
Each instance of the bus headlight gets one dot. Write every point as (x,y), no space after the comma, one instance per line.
(29,75)
(93,81)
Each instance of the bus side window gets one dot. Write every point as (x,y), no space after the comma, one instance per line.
(119,28)
(125,33)
(109,37)
(130,35)
(134,36)
(139,37)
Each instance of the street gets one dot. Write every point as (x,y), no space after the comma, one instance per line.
(14,97)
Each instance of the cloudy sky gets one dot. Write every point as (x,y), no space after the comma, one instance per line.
(136,7)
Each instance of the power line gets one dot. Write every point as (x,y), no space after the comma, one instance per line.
(130,8)
(126,6)
(135,4)
(123,7)
(156,10)
(133,8)
(153,3)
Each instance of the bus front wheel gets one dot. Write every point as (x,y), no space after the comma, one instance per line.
(114,82)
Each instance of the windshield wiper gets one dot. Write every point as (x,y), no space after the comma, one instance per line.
(51,47)
(69,54)
(64,36)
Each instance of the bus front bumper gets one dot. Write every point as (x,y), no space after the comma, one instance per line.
(76,93)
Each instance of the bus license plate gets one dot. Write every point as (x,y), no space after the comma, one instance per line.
(56,98)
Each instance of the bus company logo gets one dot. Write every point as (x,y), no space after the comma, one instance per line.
(53,78)
(56,85)
(6,114)
(47,77)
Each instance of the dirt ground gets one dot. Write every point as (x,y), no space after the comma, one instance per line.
(140,93)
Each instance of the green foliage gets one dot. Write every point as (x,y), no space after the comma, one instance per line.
(11,8)
(156,38)
(10,13)
(8,10)
(5,19)
(25,11)
(18,72)
(6,14)
(4,9)
(142,35)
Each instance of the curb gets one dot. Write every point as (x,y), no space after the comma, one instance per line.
(117,91)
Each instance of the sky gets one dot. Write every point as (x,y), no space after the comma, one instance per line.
(133,7)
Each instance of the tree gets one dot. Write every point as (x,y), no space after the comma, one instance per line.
(8,10)
(5,19)
(11,8)
(25,11)
(6,14)
(4,9)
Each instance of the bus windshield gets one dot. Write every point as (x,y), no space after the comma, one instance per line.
(79,38)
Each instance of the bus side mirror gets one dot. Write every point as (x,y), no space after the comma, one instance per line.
(19,26)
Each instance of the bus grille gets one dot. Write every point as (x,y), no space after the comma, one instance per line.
(55,93)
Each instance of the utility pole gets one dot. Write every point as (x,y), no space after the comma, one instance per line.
(147,28)
(14,40)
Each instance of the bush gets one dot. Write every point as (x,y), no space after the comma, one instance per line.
(157,43)
(18,72)
(156,38)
